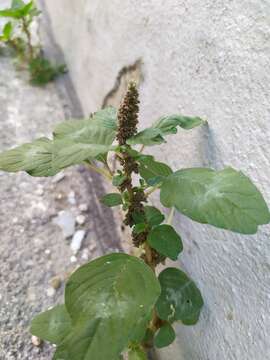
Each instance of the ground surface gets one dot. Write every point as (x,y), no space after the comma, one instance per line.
(33,249)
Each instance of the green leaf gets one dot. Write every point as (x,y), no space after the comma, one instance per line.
(99,129)
(112,199)
(108,300)
(137,354)
(180,298)
(15,14)
(118,179)
(153,172)
(165,240)
(17,4)
(74,143)
(52,325)
(27,8)
(139,228)
(168,124)
(7,31)
(134,153)
(35,158)
(148,136)
(226,199)
(153,215)
(165,336)
(18,10)
(138,217)
(192,319)
(69,153)
(44,157)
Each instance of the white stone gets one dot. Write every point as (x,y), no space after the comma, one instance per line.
(83,207)
(50,292)
(85,254)
(93,247)
(80,219)
(39,191)
(71,198)
(73,259)
(66,221)
(36,341)
(77,240)
(58,177)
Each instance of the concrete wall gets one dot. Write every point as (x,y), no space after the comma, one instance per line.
(208,58)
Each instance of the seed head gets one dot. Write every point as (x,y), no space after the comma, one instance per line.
(128,114)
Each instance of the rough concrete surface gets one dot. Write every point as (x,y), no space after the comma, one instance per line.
(207,58)
(35,256)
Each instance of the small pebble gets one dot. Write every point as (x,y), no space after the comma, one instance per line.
(36,341)
(39,191)
(57,178)
(73,259)
(59,196)
(80,219)
(93,247)
(83,207)
(85,254)
(55,282)
(71,198)
(77,240)
(51,292)
(47,251)
(66,221)
(31,294)
(38,242)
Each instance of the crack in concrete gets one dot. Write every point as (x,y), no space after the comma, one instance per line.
(127,73)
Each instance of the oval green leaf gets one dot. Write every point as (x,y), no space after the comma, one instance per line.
(226,199)
(112,199)
(153,215)
(52,325)
(165,240)
(109,301)
(180,298)
(7,31)
(164,336)
(152,171)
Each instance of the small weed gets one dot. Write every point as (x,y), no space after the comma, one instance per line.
(16,35)
(42,71)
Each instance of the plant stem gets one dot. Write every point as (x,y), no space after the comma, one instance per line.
(98,170)
(149,256)
(108,168)
(142,148)
(170,217)
(127,127)
(29,38)
(152,189)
